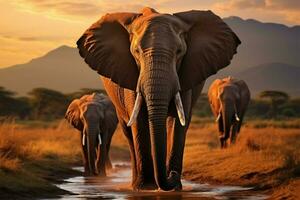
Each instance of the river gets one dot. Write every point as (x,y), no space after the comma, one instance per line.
(116,186)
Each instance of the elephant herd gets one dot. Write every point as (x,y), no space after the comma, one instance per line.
(153,67)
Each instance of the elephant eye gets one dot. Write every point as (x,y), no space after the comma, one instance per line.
(137,50)
(178,51)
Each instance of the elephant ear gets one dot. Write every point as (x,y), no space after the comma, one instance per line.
(213,96)
(211,45)
(72,115)
(244,93)
(105,47)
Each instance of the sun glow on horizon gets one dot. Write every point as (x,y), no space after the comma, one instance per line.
(31,28)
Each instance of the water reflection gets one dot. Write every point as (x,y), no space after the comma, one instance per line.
(116,186)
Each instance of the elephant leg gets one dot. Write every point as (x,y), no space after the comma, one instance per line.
(240,124)
(233,133)
(170,127)
(84,155)
(235,130)
(101,156)
(108,163)
(221,132)
(177,148)
(178,134)
(144,164)
(128,134)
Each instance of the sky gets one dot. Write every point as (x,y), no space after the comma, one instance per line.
(31,28)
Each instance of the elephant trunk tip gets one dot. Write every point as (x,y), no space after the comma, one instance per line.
(172,182)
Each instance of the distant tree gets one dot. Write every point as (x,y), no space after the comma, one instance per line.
(23,107)
(276,98)
(202,107)
(292,108)
(257,108)
(47,103)
(84,91)
(7,102)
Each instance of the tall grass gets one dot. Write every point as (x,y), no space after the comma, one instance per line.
(265,154)
(29,157)
(17,144)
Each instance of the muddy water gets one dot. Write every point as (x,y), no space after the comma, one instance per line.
(116,186)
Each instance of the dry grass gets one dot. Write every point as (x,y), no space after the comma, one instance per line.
(30,156)
(21,143)
(34,154)
(264,157)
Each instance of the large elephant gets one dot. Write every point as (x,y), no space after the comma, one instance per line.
(228,99)
(153,67)
(95,117)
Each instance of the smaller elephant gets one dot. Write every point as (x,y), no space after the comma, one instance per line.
(229,98)
(95,117)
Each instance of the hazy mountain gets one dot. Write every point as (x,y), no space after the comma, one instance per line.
(263,43)
(272,76)
(63,69)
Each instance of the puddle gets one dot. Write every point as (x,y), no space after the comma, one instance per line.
(117,186)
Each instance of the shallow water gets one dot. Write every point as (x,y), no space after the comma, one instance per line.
(116,186)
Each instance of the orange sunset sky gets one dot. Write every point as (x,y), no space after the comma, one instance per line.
(31,28)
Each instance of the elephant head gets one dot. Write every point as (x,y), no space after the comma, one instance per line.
(86,114)
(158,56)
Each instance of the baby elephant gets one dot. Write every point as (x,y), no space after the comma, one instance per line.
(95,117)
(228,99)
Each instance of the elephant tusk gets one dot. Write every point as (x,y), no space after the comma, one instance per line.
(136,109)
(179,108)
(99,138)
(218,117)
(237,117)
(83,139)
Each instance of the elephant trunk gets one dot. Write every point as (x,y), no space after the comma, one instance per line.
(158,90)
(228,112)
(92,134)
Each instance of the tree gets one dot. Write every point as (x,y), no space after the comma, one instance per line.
(22,107)
(84,91)
(47,103)
(7,102)
(202,107)
(276,98)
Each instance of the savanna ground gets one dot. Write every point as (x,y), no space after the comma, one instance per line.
(266,156)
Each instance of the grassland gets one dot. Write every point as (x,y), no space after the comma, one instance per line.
(266,156)
(33,157)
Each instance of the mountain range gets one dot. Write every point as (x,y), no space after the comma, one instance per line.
(267,59)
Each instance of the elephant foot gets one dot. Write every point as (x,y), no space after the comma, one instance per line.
(178,187)
(142,185)
(102,175)
(223,143)
(88,173)
(108,165)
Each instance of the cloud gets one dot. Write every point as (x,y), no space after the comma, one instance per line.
(289,9)
(283,4)
(59,7)
(81,8)
(35,38)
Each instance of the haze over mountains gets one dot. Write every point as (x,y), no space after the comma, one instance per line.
(268,58)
